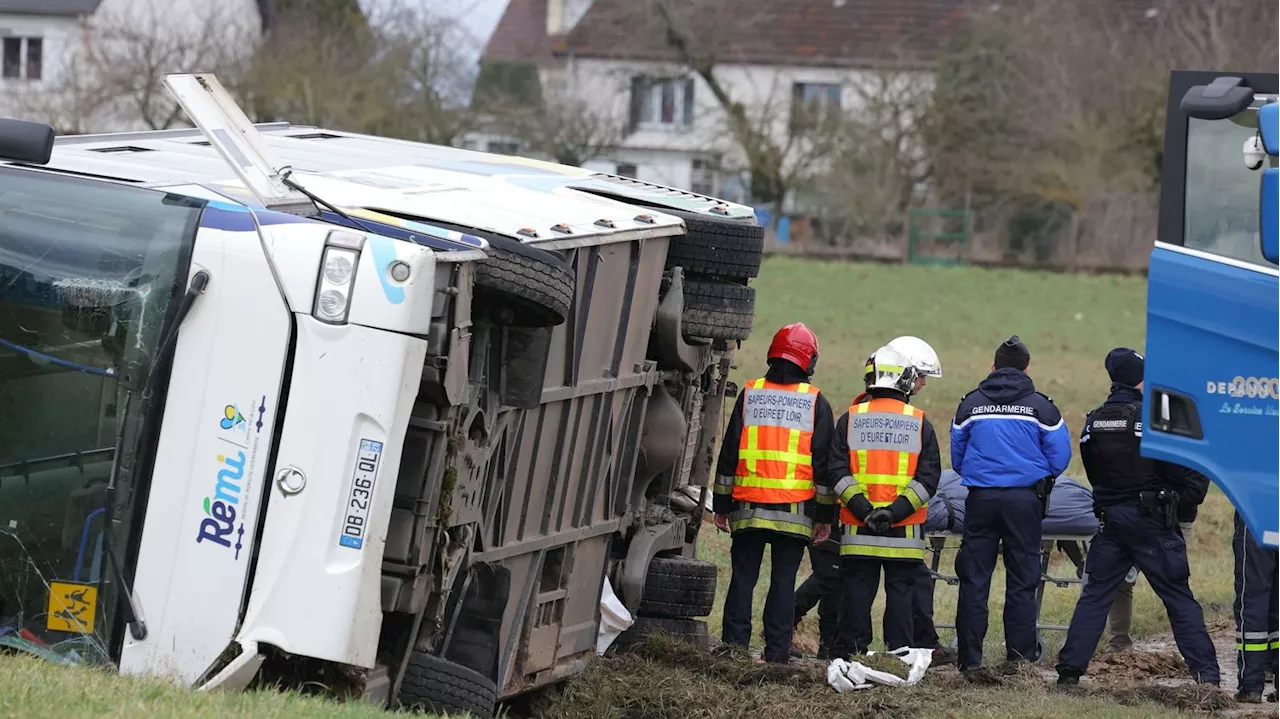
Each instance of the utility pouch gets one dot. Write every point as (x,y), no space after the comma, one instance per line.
(1162,505)
(1043,488)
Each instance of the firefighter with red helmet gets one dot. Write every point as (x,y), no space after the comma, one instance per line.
(772,487)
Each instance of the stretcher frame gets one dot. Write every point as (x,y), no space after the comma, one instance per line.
(1075,546)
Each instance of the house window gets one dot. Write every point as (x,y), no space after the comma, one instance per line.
(502,147)
(812,102)
(626,169)
(23,58)
(661,102)
(703,177)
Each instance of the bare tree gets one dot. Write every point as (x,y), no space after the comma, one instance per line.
(558,123)
(873,178)
(401,74)
(113,79)
(777,152)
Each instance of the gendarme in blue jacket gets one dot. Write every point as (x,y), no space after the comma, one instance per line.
(1006,434)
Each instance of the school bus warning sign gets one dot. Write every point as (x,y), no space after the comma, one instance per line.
(72,607)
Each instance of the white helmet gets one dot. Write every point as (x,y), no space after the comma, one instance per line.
(920,354)
(889,368)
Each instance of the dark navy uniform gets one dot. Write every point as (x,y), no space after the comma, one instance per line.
(1138,502)
(1257,629)
(1008,441)
(822,589)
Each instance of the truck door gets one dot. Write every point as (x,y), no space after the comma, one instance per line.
(1212,306)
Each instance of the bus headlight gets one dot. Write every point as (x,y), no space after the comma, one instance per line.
(337,276)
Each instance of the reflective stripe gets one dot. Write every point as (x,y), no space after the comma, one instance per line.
(746,516)
(824,495)
(1257,647)
(1257,641)
(723,485)
(843,485)
(775,460)
(917,494)
(866,545)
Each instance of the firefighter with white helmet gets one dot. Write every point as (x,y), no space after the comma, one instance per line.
(921,355)
(925,634)
(885,452)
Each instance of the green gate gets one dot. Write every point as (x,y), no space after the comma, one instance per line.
(943,227)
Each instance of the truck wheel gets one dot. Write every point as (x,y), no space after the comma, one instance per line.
(534,284)
(693,631)
(442,687)
(718,310)
(731,249)
(679,587)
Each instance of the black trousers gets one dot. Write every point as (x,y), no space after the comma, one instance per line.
(1129,538)
(746,552)
(861,577)
(822,589)
(994,518)
(923,633)
(1257,628)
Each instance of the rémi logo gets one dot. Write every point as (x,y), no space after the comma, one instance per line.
(221,508)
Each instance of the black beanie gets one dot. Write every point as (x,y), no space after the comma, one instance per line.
(1013,353)
(1124,366)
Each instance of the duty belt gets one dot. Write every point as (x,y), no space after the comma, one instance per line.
(1161,504)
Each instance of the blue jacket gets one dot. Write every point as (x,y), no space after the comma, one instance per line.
(1006,434)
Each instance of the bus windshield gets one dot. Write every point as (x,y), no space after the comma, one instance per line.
(90,273)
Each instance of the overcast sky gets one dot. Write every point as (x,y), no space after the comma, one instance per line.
(478,16)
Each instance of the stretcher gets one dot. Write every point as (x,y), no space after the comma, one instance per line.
(1068,528)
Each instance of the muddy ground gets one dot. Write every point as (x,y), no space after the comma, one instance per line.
(663,679)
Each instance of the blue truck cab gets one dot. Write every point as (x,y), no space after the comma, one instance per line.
(1213,403)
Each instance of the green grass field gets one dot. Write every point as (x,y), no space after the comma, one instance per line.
(33,689)
(1069,323)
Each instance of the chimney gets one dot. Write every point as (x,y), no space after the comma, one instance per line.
(556,18)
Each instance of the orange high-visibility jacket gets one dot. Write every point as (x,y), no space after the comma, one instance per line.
(775,456)
(885,437)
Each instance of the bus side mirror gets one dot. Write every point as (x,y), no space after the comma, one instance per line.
(23,141)
(1269,127)
(1269,218)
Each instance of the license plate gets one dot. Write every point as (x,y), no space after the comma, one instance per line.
(356,515)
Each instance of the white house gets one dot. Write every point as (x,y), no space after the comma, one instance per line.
(41,39)
(774,58)
(34,37)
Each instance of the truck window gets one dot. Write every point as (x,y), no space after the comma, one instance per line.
(1221,205)
(89,274)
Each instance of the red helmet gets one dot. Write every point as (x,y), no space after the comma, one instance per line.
(796,343)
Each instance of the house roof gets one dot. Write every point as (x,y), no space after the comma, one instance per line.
(521,34)
(828,33)
(49,7)
(832,33)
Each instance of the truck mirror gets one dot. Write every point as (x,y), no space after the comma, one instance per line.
(1220,99)
(1269,218)
(24,141)
(1269,126)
